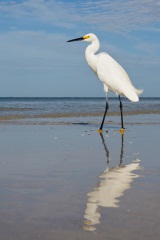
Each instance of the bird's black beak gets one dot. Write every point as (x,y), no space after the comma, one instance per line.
(76,39)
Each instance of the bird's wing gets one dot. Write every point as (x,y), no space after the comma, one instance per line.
(114,76)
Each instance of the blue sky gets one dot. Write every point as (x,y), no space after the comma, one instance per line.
(37,61)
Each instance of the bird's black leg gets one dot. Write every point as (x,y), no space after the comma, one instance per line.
(121,108)
(105,112)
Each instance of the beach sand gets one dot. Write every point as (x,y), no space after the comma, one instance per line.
(65,181)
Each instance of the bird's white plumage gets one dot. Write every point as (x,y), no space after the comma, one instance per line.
(114,77)
(111,73)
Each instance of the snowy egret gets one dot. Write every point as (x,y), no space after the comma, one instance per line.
(111,73)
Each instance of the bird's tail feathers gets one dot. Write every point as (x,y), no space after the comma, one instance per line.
(130,94)
(138,91)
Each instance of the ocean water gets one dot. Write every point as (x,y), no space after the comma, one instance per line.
(33,107)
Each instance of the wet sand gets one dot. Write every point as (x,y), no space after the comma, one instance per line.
(21,116)
(66,181)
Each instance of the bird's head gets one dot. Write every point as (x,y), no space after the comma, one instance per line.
(90,37)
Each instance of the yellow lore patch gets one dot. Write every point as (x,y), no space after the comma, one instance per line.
(86,37)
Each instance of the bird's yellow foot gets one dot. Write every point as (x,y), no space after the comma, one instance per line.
(100,131)
(122,130)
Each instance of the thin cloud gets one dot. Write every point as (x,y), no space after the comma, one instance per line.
(118,15)
(115,16)
(39,50)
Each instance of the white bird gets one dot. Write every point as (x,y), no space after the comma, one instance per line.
(111,73)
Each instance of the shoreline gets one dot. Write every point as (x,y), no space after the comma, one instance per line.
(74,115)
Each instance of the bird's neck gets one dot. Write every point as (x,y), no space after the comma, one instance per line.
(90,54)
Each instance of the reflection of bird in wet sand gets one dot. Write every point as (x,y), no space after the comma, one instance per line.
(113,182)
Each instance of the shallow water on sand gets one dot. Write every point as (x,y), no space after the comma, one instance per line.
(69,182)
